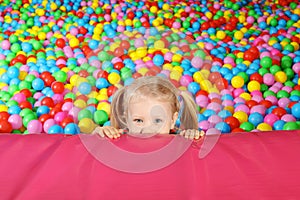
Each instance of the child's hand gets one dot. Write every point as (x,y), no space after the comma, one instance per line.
(192,134)
(108,131)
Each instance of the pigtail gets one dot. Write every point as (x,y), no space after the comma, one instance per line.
(117,116)
(188,118)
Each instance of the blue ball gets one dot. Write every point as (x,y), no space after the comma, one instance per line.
(278,125)
(15,109)
(158,60)
(223,127)
(193,87)
(296,110)
(38,84)
(71,128)
(85,88)
(55,129)
(13,72)
(42,110)
(255,118)
(102,83)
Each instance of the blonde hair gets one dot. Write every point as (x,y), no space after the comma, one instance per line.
(160,89)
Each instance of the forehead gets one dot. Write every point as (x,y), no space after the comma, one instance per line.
(143,105)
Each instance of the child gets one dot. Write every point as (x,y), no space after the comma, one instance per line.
(151,105)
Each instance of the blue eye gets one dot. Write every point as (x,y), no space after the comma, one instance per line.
(138,121)
(157,121)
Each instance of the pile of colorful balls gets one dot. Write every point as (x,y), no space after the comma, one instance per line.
(62,61)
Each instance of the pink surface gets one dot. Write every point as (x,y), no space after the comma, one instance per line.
(240,166)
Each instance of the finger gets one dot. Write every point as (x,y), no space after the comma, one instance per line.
(202,133)
(98,130)
(197,135)
(109,132)
(192,134)
(182,133)
(187,134)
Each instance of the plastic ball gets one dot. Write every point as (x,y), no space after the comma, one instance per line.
(35,126)
(114,78)
(255,118)
(158,60)
(241,116)
(15,121)
(86,125)
(58,87)
(100,117)
(85,88)
(197,62)
(237,82)
(253,86)
(55,129)
(38,84)
(223,127)
(264,127)
(71,128)
(5,127)
(296,110)
(193,87)
(247,126)
(291,126)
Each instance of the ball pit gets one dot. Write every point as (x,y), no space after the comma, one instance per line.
(61,62)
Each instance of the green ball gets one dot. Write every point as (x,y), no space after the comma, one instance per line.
(282,94)
(24,85)
(103,56)
(269,93)
(286,62)
(291,126)
(27,118)
(247,126)
(100,117)
(60,76)
(13,39)
(70,95)
(15,48)
(266,62)
(12,103)
(274,69)
(244,76)
(85,114)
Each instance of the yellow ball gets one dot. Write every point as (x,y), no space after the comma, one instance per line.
(241,116)
(198,77)
(176,58)
(280,76)
(166,6)
(253,85)
(104,106)
(74,42)
(143,70)
(238,35)
(159,44)
(155,23)
(114,78)
(264,127)
(205,85)
(86,125)
(80,103)
(153,9)
(175,75)
(246,96)
(237,82)
(3,108)
(42,35)
(221,35)
(141,52)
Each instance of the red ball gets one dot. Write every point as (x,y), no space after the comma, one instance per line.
(83,73)
(102,74)
(119,65)
(47,101)
(130,15)
(60,42)
(257,77)
(58,87)
(279,111)
(232,122)
(237,130)
(4,116)
(22,58)
(25,104)
(26,92)
(66,121)
(44,117)
(266,103)
(111,90)
(5,127)
(251,103)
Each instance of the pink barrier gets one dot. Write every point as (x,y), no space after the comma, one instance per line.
(240,166)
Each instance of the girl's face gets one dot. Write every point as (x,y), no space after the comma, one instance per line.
(150,116)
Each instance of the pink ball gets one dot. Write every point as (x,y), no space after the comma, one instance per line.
(176,25)
(268,79)
(19,97)
(67,106)
(271,119)
(296,67)
(197,62)
(288,118)
(60,116)
(15,121)
(185,80)
(35,126)
(5,44)
(47,124)
(243,108)
(258,108)
(214,119)
(202,101)
(214,106)
(283,102)
(139,43)
(204,125)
